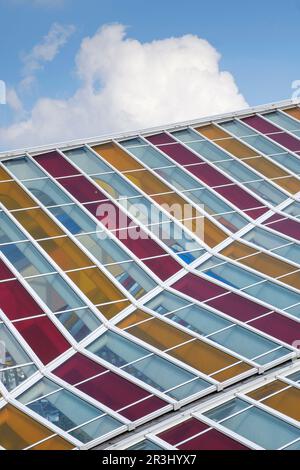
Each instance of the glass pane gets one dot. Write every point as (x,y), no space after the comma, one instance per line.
(283,121)
(103,248)
(193,317)
(145,445)
(12,360)
(247,343)
(96,429)
(74,219)
(227,409)
(47,192)
(8,230)
(150,156)
(56,293)
(23,168)
(87,161)
(79,323)
(133,278)
(186,135)
(62,408)
(26,259)
(262,428)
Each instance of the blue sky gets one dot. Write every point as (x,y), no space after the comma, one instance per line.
(258,40)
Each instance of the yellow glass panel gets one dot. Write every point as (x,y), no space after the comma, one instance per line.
(294,112)
(109,311)
(292,279)
(133,318)
(66,254)
(286,402)
(54,443)
(209,360)
(228,143)
(261,262)
(158,334)
(266,390)
(97,287)
(13,197)
(38,224)
(212,132)
(273,172)
(4,176)
(117,157)
(18,431)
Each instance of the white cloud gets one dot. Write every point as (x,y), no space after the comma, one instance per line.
(126,84)
(13,100)
(45,51)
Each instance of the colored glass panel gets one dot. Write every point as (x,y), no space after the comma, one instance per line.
(18,431)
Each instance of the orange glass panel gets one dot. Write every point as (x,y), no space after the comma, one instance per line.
(273,172)
(266,390)
(13,197)
(158,334)
(98,288)
(133,318)
(117,157)
(66,254)
(38,224)
(18,431)
(286,402)
(196,353)
(228,143)
(212,132)
(4,176)
(209,360)
(294,112)
(261,262)
(54,443)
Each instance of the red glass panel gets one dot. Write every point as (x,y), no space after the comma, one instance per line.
(238,307)
(144,408)
(288,227)
(159,139)
(82,189)
(5,273)
(280,327)
(16,302)
(198,288)
(43,337)
(183,431)
(241,198)
(212,440)
(78,368)
(183,156)
(56,165)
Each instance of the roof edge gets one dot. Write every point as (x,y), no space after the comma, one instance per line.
(133,133)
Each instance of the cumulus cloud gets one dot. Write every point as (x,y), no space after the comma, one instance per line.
(45,51)
(127,85)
